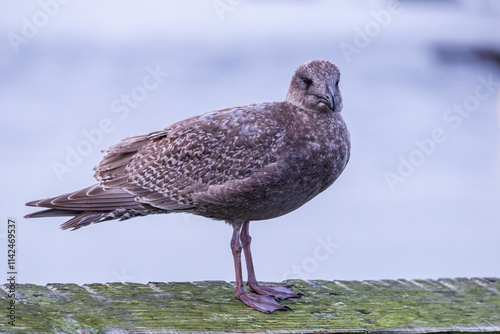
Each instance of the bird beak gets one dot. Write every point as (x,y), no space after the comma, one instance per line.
(328,99)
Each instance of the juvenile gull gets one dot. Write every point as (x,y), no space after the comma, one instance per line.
(240,164)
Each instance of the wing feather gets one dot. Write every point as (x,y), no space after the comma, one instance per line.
(211,150)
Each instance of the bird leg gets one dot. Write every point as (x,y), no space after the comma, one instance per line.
(278,292)
(262,303)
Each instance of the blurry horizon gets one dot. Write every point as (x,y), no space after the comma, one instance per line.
(420,84)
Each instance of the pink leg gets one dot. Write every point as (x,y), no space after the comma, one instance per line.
(263,303)
(278,292)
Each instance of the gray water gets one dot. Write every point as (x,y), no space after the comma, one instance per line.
(419,198)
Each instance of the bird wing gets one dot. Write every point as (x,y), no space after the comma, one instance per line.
(195,160)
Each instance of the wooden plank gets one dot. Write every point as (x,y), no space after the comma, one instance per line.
(388,306)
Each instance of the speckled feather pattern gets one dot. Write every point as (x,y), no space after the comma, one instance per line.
(245,163)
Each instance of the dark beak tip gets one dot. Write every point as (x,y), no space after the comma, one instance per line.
(329,100)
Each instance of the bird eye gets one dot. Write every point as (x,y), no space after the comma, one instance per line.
(307,81)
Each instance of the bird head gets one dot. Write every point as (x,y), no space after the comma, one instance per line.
(315,87)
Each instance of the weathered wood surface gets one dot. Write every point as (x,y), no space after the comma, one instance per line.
(425,306)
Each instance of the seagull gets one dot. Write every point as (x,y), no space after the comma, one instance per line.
(237,165)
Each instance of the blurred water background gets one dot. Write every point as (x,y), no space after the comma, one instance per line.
(420,81)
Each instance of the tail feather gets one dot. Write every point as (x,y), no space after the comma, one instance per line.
(83,219)
(91,205)
(53,213)
(112,198)
(91,198)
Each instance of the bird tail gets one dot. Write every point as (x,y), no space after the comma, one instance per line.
(91,205)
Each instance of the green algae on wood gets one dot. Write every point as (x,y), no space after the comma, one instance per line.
(445,305)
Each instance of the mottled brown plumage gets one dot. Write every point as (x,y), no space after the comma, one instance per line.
(240,164)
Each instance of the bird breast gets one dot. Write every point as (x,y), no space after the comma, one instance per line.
(310,152)
(318,153)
